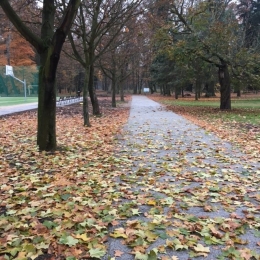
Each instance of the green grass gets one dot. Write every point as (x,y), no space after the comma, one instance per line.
(246,112)
(10,101)
(254,103)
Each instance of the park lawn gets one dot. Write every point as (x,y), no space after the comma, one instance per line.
(236,103)
(11,101)
(244,111)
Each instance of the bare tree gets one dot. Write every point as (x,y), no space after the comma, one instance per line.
(48,44)
(96,27)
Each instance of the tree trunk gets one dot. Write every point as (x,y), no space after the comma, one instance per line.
(113,90)
(122,98)
(140,83)
(224,81)
(212,88)
(197,88)
(163,89)
(46,136)
(86,120)
(135,88)
(121,86)
(92,92)
(176,93)
(150,85)
(134,84)
(168,90)
(105,83)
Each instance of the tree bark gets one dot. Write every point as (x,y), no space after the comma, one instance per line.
(86,120)
(197,89)
(161,89)
(121,86)
(134,84)
(168,90)
(113,90)
(46,135)
(122,97)
(176,93)
(212,88)
(92,92)
(225,89)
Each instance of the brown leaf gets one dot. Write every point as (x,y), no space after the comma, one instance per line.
(245,253)
(118,253)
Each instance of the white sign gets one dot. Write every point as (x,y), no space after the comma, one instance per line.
(146,90)
(9,70)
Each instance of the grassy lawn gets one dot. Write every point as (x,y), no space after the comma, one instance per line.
(243,103)
(245,111)
(10,101)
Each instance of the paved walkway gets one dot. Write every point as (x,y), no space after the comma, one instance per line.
(189,195)
(6,110)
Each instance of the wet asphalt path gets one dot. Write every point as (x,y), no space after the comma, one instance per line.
(192,195)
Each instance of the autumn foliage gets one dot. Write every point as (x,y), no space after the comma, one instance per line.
(20,51)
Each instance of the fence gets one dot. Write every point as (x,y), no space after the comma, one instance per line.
(10,86)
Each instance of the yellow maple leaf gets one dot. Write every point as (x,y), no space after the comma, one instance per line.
(119,232)
(201,248)
(151,202)
(83,237)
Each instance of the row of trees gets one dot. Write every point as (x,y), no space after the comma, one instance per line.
(199,38)
(92,28)
(170,44)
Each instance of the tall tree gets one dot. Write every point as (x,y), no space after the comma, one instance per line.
(249,13)
(208,31)
(48,45)
(212,28)
(114,65)
(98,25)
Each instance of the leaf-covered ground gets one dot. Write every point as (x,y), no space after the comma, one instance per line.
(105,184)
(52,204)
